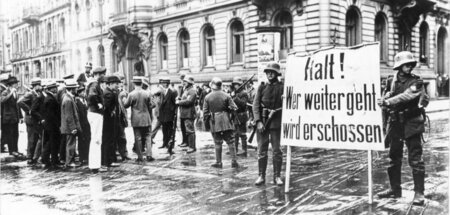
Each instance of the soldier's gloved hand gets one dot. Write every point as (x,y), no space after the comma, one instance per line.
(260,126)
(380,102)
(233,94)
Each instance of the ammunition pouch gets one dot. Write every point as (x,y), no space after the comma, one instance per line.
(406,114)
(264,115)
(206,120)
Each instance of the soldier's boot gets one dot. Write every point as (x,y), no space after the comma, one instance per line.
(232,151)
(244,147)
(262,165)
(419,181)
(395,181)
(218,163)
(277,172)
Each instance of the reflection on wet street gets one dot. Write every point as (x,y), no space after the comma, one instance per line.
(322,182)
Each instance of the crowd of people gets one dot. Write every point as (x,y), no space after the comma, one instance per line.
(88,116)
(81,121)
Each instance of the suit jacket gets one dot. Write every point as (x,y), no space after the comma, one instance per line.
(82,114)
(25,104)
(37,109)
(51,113)
(167,108)
(10,111)
(69,115)
(94,97)
(141,107)
(187,103)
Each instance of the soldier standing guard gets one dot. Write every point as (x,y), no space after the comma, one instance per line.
(187,112)
(217,109)
(25,104)
(95,116)
(405,102)
(240,97)
(267,115)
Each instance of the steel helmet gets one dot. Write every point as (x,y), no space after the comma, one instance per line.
(273,66)
(402,58)
(237,80)
(216,83)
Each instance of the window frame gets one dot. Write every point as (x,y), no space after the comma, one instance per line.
(237,40)
(353,27)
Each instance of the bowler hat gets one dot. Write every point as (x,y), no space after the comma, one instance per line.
(12,80)
(112,79)
(99,70)
(36,81)
(189,79)
(164,81)
(273,66)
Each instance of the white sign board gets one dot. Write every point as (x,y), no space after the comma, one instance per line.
(330,99)
(267,52)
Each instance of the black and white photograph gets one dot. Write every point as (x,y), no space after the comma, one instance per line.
(180,107)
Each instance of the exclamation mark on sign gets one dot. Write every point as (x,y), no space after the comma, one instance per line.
(342,65)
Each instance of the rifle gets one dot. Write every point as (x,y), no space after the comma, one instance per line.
(269,118)
(244,84)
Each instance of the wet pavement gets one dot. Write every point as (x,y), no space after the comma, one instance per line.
(322,182)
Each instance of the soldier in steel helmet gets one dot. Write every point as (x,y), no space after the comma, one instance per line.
(217,109)
(405,99)
(240,97)
(267,115)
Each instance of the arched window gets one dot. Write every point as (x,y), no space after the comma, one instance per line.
(88,14)
(284,20)
(62,26)
(184,48)
(49,33)
(209,45)
(89,54)
(352,27)
(237,41)
(101,55)
(381,35)
(78,54)
(424,43)
(163,48)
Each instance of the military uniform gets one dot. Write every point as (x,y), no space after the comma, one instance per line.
(217,107)
(268,98)
(241,99)
(405,126)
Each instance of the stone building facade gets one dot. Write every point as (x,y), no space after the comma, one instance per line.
(39,36)
(207,38)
